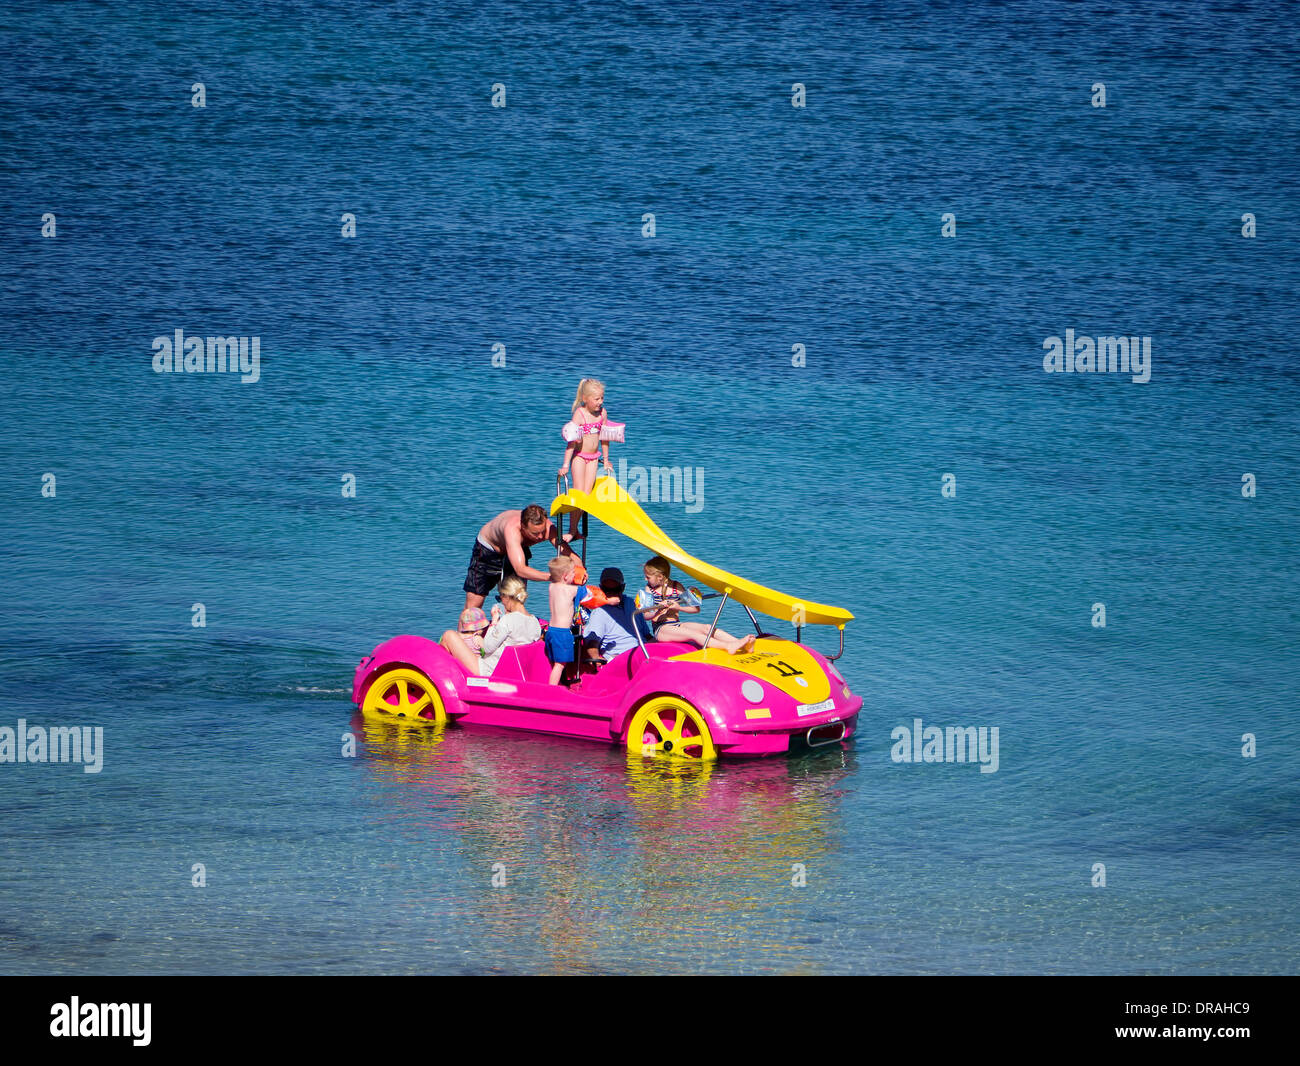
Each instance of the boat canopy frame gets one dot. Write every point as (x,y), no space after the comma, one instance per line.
(610,503)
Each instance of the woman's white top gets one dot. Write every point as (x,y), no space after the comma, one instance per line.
(515,627)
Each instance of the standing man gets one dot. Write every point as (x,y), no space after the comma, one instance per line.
(504,546)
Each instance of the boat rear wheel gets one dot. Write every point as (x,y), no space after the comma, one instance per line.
(403,692)
(668,726)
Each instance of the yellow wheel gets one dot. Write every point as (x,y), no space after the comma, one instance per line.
(668,726)
(404,693)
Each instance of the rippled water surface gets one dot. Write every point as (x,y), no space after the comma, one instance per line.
(775,226)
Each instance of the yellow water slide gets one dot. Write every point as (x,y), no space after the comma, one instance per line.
(609,503)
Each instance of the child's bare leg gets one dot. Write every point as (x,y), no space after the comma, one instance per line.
(557,670)
(584,480)
(455,643)
(732,644)
(697,632)
(584,474)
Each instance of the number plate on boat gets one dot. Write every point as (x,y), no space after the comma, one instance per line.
(814,708)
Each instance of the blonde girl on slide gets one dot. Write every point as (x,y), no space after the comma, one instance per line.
(587,436)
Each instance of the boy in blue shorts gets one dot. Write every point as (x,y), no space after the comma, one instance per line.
(565,573)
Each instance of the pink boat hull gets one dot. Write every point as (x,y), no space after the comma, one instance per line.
(517,695)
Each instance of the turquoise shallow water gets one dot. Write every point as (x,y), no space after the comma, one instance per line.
(1118,745)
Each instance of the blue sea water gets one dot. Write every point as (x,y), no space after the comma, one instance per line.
(774,226)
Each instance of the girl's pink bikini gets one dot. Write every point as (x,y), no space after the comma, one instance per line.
(607,431)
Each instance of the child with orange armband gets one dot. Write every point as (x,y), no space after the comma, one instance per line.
(566,573)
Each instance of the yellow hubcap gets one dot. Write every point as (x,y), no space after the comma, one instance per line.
(672,727)
(404,693)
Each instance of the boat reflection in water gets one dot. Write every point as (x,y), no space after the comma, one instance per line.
(609,862)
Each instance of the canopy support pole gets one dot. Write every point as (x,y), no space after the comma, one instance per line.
(832,658)
(725,594)
(636,628)
(757,628)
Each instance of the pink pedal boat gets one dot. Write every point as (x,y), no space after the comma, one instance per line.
(659,699)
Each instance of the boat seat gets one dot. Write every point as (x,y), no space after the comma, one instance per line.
(524,662)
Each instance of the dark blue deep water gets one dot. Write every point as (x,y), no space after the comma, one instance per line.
(774,226)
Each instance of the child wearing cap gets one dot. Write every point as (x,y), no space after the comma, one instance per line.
(473,624)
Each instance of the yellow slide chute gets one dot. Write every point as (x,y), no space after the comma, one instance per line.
(611,504)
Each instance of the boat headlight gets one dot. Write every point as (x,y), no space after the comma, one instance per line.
(752,691)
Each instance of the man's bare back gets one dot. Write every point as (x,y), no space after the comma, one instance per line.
(507,541)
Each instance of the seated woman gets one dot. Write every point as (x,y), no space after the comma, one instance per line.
(511,625)
(663,599)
